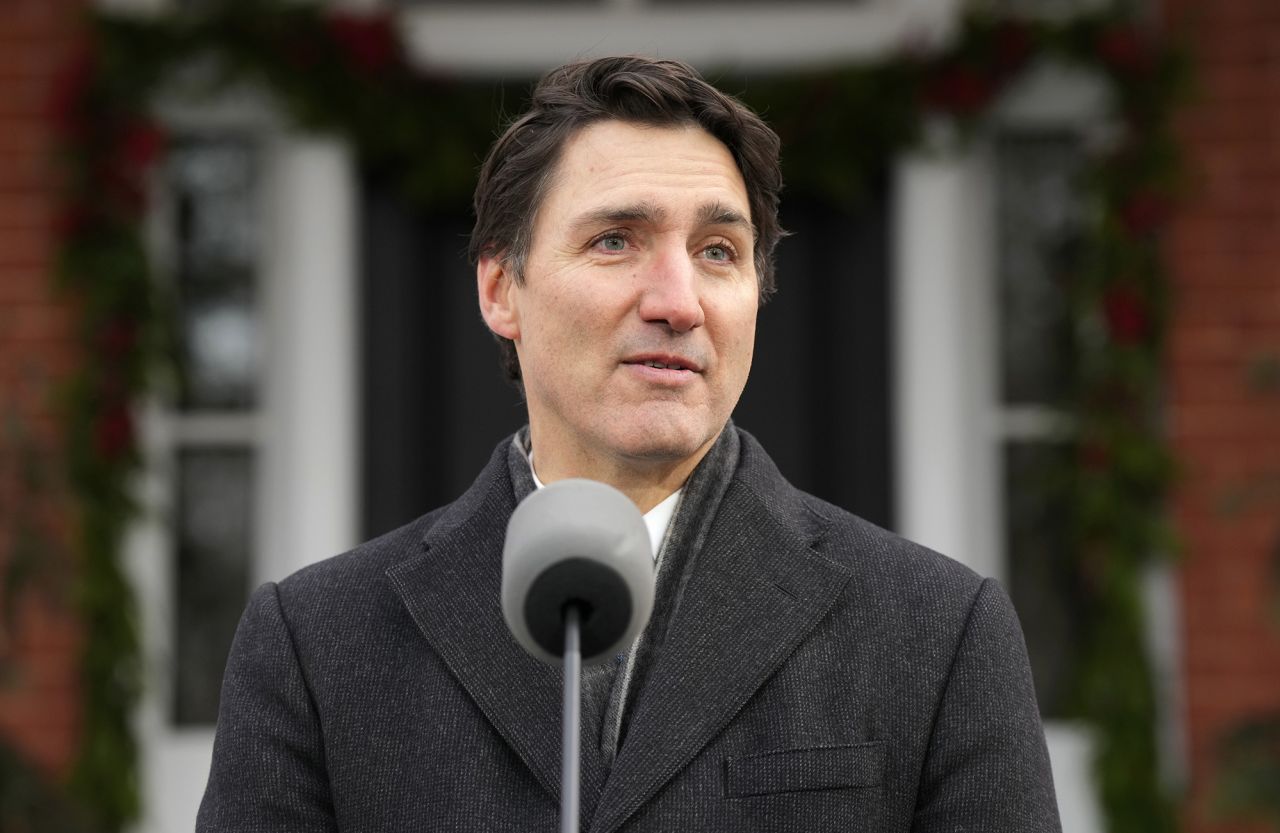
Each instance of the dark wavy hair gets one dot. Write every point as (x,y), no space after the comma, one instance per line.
(519,167)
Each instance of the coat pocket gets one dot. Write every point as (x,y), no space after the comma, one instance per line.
(810,768)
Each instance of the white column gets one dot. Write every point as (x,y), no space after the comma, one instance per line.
(947,443)
(1072,748)
(310,488)
(943,309)
(532,38)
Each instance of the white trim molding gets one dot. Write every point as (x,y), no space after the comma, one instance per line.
(948,440)
(944,371)
(310,466)
(304,434)
(485,39)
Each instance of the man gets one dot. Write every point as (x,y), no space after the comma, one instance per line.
(802,671)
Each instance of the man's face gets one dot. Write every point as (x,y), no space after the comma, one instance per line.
(635,323)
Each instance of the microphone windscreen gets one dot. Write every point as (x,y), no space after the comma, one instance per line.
(577,542)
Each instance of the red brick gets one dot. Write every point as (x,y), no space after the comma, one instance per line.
(1219,422)
(25,136)
(25,250)
(35,38)
(24,284)
(41,321)
(27,171)
(30,211)
(1199,306)
(1224,253)
(1228,266)
(24,100)
(1218,343)
(28,61)
(47,626)
(31,20)
(54,751)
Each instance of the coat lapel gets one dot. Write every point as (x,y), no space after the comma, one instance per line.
(453,592)
(754,592)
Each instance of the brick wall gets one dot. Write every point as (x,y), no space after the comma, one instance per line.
(1225,253)
(38,696)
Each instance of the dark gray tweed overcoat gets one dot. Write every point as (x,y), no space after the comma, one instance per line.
(819,674)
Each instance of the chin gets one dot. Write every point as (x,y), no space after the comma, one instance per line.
(667,443)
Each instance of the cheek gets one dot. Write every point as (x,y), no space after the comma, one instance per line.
(567,328)
(749,348)
(738,330)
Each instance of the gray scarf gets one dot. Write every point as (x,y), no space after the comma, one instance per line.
(609,689)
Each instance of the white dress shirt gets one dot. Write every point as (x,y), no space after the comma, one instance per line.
(657,519)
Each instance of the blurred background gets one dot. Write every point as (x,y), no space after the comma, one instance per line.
(1024,318)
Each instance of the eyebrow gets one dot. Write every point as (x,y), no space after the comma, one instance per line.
(711,214)
(719,214)
(644,212)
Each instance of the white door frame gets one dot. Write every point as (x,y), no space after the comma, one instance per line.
(304,432)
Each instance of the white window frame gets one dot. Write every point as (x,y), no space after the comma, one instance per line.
(529,39)
(304,431)
(952,424)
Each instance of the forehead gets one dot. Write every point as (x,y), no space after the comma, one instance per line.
(681,168)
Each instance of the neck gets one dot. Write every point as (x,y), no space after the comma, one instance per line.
(647,482)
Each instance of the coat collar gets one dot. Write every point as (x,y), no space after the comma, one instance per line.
(452,589)
(757,589)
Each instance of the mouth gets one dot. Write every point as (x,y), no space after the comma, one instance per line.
(665,362)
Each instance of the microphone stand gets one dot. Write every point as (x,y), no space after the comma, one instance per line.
(570,721)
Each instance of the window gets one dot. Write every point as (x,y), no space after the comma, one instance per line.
(1039,216)
(217,342)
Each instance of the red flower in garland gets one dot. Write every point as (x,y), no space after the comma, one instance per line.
(73,220)
(140,145)
(369,42)
(959,89)
(1144,213)
(119,338)
(121,176)
(1126,315)
(69,91)
(1013,46)
(113,431)
(1114,395)
(301,51)
(1125,50)
(1095,456)
(121,193)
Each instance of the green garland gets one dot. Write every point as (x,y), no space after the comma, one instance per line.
(344,74)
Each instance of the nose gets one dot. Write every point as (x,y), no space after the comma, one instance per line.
(670,292)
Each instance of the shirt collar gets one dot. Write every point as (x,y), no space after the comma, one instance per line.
(657,520)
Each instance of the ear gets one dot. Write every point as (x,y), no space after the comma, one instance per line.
(496,287)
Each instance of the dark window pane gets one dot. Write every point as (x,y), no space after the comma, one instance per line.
(1040,219)
(819,393)
(214,528)
(1043,581)
(217,248)
(818,397)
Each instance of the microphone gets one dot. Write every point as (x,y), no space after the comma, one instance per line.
(577,585)
(576,544)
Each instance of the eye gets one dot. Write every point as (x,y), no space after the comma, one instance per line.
(720,253)
(611,242)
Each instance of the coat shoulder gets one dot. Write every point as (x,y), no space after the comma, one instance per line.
(865,547)
(874,557)
(364,567)
(361,568)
